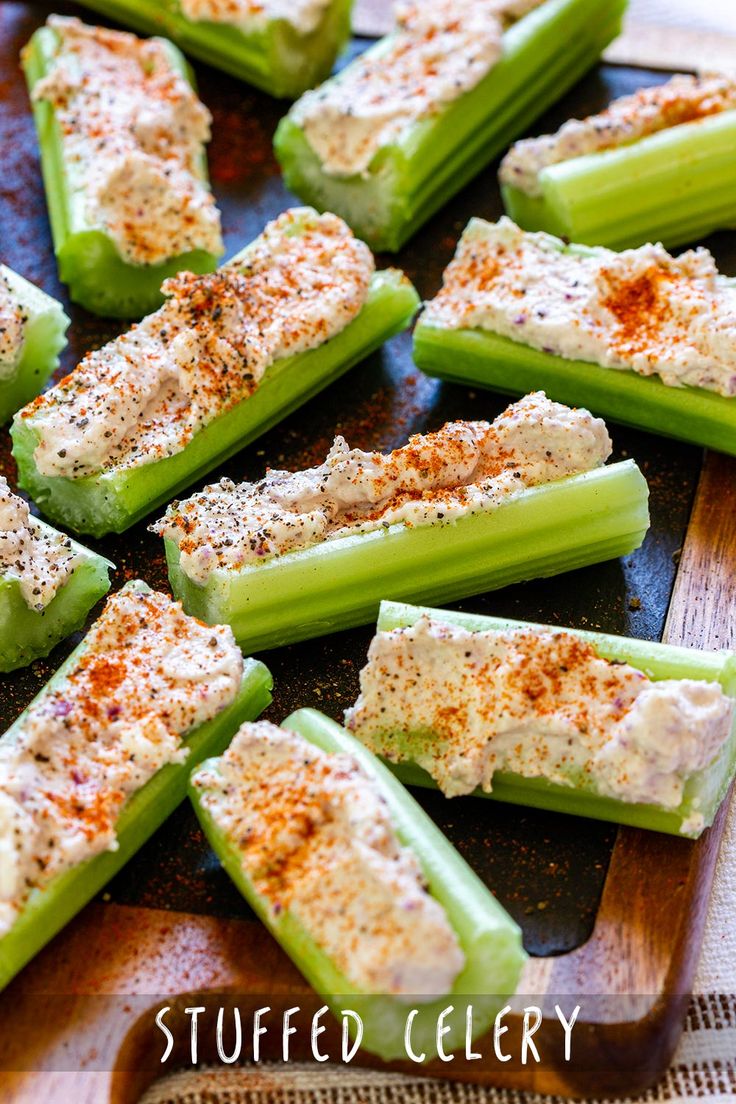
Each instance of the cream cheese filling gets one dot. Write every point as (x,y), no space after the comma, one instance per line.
(144,396)
(147,675)
(304,16)
(641,309)
(463,468)
(440,50)
(541,704)
(315,837)
(13,320)
(133,133)
(39,558)
(683,99)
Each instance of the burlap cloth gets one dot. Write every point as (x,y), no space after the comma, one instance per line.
(663,34)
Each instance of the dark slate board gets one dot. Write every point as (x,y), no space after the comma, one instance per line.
(548,870)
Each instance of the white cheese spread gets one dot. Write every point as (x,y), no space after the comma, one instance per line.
(304,16)
(133,133)
(463,468)
(147,675)
(39,558)
(315,837)
(541,704)
(13,321)
(440,50)
(683,99)
(144,395)
(642,309)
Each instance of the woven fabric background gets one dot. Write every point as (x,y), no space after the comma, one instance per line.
(664,34)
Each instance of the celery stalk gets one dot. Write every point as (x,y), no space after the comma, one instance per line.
(337,584)
(674,186)
(43,340)
(484,359)
(88,259)
(49,909)
(275,56)
(545,53)
(112,501)
(490,940)
(704,791)
(25,633)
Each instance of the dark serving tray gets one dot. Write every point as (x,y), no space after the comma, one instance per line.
(548,870)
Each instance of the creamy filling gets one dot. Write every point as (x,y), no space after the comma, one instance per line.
(133,133)
(13,320)
(683,99)
(147,675)
(315,837)
(440,50)
(144,395)
(642,309)
(39,558)
(538,703)
(463,468)
(304,16)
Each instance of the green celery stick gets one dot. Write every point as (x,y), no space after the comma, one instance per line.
(489,938)
(88,259)
(545,53)
(43,339)
(704,791)
(25,633)
(674,187)
(482,358)
(275,57)
(113,500)
(49,909)
(337,584)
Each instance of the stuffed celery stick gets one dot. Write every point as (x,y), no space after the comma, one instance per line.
(227,356)
(122,136)
(48,583)
(654,166)
(640,336)
(281,46)
(577,722)
(32,334)
(469,508)
(363,892)
(392,137)
(102,756)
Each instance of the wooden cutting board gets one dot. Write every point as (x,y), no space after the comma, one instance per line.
(91,997)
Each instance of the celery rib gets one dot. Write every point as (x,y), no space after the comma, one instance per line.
(338,584)
(704,790)
(49,909)
(411,179)
(113,501)
(276,57)
(89,262)
(673,186)
(27,634)
(43,339)
(489,938)
(484,359)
